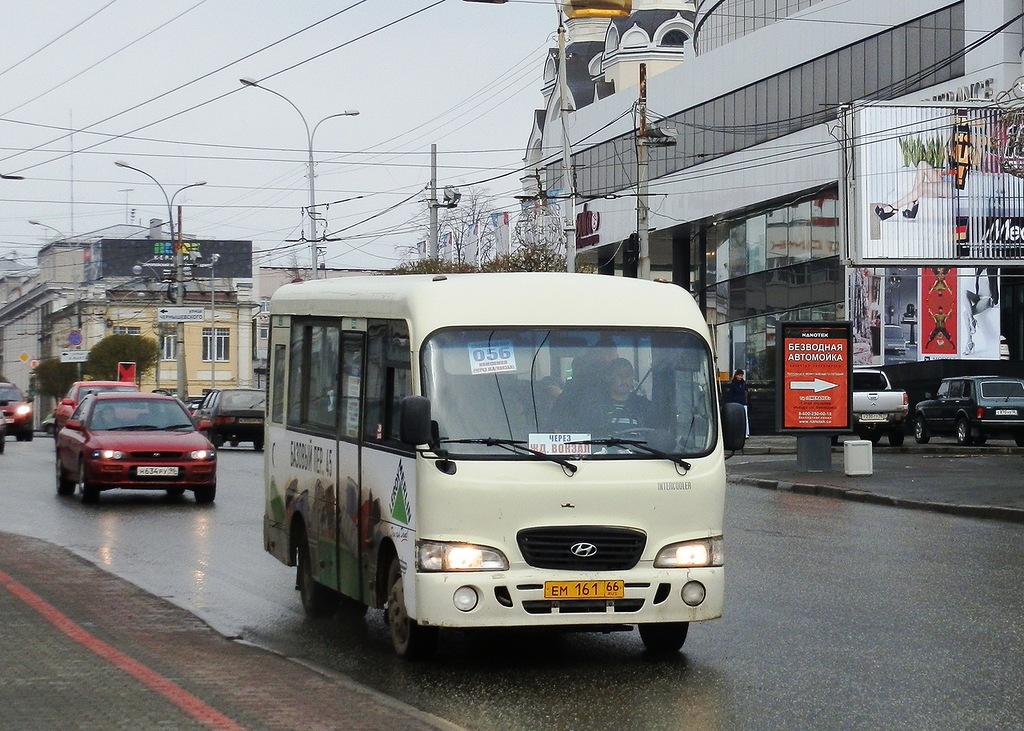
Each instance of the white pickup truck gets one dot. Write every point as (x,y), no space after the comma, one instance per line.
(878,408)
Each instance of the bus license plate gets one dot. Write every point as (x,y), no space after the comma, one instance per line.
(154,471)
(606,589)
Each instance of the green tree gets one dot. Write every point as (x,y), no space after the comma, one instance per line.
(114,349)
(54,378)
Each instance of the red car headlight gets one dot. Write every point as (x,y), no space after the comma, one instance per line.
(23,410)
(203,454)
(108,454)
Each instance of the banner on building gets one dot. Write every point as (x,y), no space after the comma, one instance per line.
(935,185)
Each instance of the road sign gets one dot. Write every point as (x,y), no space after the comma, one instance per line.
(75,338)
(126,371)
(814,367)
(180,314)
(74,356)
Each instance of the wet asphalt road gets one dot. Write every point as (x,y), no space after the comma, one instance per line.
(838,614)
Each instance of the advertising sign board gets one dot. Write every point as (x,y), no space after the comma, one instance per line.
(936,185)
(814,369)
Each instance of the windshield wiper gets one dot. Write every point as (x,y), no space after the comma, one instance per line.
(169,427)
(617,442)
(512,445)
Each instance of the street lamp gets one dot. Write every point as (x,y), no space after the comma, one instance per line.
(213,325)
(60,234)
(309,137)
(179,345)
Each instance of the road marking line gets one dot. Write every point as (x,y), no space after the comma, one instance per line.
(174,693)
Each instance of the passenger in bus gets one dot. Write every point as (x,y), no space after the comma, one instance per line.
(624,408)
(577,407)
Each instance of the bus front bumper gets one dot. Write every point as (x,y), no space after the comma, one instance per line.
(517,598)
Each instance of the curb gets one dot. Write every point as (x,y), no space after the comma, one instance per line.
(989,512)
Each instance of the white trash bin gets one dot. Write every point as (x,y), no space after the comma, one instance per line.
(857,457)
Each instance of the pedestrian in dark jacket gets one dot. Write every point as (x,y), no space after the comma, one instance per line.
(736,393)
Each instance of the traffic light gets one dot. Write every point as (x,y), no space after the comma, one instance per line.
(631,256)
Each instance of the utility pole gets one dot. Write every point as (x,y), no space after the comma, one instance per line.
(568,182)
(179,299)
(646,138)
(432,204)
(642,211)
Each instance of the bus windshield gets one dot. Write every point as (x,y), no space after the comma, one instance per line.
(581,393)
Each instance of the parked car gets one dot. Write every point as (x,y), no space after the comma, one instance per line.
(78,391)
(973,408)
(139,441)
(233,415)
(878,408)
(3,431)
(895,342)
(193,402)
(18,412)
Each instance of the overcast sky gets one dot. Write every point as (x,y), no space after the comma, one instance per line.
(156,85)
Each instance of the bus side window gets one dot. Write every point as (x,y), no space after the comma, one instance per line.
(323,377)
(299,352)
(351,383)
(387,379)
(277,405)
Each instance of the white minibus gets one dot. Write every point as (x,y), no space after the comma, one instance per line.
(498,450)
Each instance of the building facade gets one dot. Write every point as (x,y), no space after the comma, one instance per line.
(747,209)
(120,281)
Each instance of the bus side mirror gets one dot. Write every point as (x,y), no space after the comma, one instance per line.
(734,426)
(415,423)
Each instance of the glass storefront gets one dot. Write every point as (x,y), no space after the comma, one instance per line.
(772,265)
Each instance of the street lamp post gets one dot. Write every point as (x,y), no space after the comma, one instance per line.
(60,234)
(179,279)
(311,164)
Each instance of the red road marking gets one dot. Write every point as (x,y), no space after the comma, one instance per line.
(174,693)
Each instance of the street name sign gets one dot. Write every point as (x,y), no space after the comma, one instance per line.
(74,356)
(180,314)
(814,369)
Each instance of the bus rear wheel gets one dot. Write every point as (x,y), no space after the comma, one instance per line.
(317,599)
(410,639)
(664,638)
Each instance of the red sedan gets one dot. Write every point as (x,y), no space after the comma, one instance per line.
(140,441)
(78,391)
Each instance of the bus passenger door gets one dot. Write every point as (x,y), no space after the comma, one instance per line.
(350,501)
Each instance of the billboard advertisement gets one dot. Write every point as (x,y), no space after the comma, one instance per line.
(935,185)
(119,257)
(909,314)
(813,376)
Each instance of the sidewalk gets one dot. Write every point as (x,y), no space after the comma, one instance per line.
(980,482)
(83,649)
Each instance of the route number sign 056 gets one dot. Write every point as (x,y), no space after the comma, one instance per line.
(814,369)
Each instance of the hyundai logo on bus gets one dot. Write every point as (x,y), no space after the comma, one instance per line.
(583,550)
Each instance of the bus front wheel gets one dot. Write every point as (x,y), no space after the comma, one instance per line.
(664,638)
(410,639)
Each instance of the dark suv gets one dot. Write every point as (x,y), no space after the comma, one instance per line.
(973,408)
(18,412)
(232,415)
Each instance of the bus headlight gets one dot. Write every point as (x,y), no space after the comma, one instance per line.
(439,556)
(702,552)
